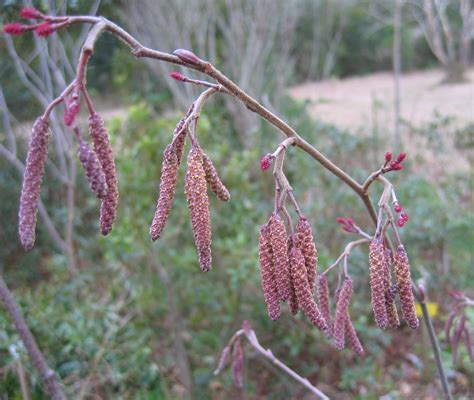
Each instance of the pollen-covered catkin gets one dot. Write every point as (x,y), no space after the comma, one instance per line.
(303,293)
(293,299)
(323,300)
(213,180)
(352,337)
(109,203)
(403,277)
(279,244)
(195,189)
(390,292)
(92,169)
(270,293)
(32,177)
(342,309)
(310,253)
(169,176)
(377,282)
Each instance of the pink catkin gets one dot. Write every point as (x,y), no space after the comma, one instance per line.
(352,338)
(302,289)
(270,292)
(390,292)
(195,189)
(342,309)
(109,204)
(213,180)
(403,277)
(323,300)
(168,179)
(92,169)
(279,244)
(377,282)
(310,253)
(238,364)
(32,177)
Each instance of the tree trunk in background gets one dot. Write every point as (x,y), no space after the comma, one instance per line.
(396,72)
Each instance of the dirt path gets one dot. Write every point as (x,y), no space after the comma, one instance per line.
(357,103)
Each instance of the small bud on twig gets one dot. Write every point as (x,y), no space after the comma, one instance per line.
(187,56)
(31,13)
(266,162)
(178,76)
(15,29)
(45,29)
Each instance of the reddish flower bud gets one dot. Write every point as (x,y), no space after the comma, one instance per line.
(267,273)
(401,157)
(30,13)
(14,29)
(45,29)
(340,220)
(401,222)
(187,56)
(266,162)
(396,166)
(195,189)
(178,76)
(388,156)
(72,109)
(404,216)
(398,208)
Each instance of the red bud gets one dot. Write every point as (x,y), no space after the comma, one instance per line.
(30,13)
(401,222)
(398,208)
(178,76)
(266,162)
(45,29)
(401,157)
(404,216)
(14,29)
(388,156)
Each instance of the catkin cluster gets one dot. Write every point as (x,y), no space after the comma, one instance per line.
(383,291)
(287,267)
(200,174)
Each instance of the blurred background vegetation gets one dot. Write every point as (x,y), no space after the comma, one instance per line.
(119,317)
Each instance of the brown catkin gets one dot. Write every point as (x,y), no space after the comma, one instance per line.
(169,176)
(267,273)
(303,293)
(279,244)
(323,300)
(352,337)
(109,203)
(213,180)
(178,143)
(377,282)
(32,177)
(390,292)
(342,309)
(310,253)
(198,203)
(293,299)
(92,169)
(403,277)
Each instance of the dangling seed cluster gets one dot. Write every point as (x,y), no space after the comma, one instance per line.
(109,203)
(285,273)
(32,177)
